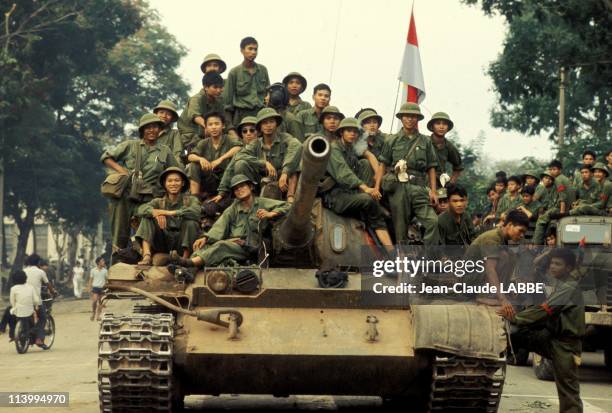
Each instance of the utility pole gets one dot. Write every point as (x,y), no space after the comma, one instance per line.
(561,106)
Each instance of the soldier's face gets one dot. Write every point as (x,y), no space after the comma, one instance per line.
(599,174)
(558,268)
(588,160)
(500,187)
(213,66)
(515,232)
(554,171)
(242,191)
(294,87)
(249,133)
(321,98)
(150,132)
(530,181)
(527,198)
(371,126)
(443,205)
(547,181)
(492,195)
(165,115)
(440,127)
(586,175)
(214,127)
(409,122)
(349,135)
(268,126)
(249,52)
(214,91)
(457,204)
(173,183)
(513,187)
(331,122)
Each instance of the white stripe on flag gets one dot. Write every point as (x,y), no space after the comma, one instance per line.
(411,70)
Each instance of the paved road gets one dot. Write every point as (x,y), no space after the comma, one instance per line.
(71,366)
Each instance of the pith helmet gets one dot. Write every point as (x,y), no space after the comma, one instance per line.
(212,57)
(239,179)
(247,120)
(147,119)
(442,193)
(410,108)
(440,116)
(546,173)
(176,170)
(168,105)
(298,76)
(330,110)
(368,114)
(532,174)
(348,123)
(601,167)
(267,113)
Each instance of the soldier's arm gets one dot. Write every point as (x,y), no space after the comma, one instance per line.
(432,164)
(190,209)
(454,157)
(249,154)
(340,172)
(196,153)
(221,227)
(111,158)
(378,171)
(279,208)
(195,109)
(235,147)
(146,210)
(559,300)
(603,195)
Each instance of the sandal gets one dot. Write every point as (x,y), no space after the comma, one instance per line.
(146,260)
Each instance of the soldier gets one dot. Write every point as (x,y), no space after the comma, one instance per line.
(370,122)
(247,129)
(296,85)
(528,206)
(554,329)
(587,190)
(455,225)
(246,84)
(442,201)
(440,124)
(530,178)
(191,122)
(353,192)
(555,167)
(213,63)
(600,198)
(123,159)
(309,118)
(608,158)
(275,154)
(511,198)
(169,223)
(330,119)
(501,184)
(211,156)
(554,200)
(166,111)
(236,235)
(588,158)
(412,184)
(493,197)
(278,99)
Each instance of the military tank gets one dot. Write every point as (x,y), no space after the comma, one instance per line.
(271,328)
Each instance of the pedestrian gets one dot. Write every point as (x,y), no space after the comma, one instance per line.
(440,124)
(78,279)
(97,281)
(310,118)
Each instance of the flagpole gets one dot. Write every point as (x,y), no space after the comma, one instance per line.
(399,82)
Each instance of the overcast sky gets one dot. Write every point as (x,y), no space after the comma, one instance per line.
(356,47)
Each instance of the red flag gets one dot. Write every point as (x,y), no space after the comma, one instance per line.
(411,70)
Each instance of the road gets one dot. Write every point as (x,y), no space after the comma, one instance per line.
(72,363)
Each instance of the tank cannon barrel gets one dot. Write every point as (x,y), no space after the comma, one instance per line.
(297,230)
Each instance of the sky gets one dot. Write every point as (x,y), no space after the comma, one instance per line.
(356,47)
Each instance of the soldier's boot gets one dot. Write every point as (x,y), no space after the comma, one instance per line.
(176,259)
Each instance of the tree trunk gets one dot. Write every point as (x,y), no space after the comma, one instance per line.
(73,234)
(4,257)
(25,227)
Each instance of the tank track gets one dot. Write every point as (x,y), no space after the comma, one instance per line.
(135,363)
(466,384)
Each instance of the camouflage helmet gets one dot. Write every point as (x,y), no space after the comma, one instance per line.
(330,110)
(168,105)
(176,170)
(369,114)
(546,173)
(147,119)
(533,174)
(348,123)
(239,179)
(298,76)
(601,167)
(440,116)
(247,120)
(410,108)
(267,113)
(212,57)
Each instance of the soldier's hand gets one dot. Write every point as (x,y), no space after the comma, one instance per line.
(282,183)
(205,165)
(199,243)
(374,193)
(161,221)
(263,214)
(270,169)
(215,163)
(433,197)
(506,310)
(217,198)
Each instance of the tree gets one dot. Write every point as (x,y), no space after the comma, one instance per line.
(543,36)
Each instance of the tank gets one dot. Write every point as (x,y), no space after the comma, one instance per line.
(270,328)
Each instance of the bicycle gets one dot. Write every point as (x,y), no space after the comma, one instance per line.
(25,330)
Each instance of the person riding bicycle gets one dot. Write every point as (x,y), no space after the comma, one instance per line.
(37,278)
(25,300)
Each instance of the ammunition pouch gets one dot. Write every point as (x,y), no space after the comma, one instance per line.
(114,185)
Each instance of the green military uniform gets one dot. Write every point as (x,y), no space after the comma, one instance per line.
(551,199)
(411,198)
(491,244)
(507,203)
(554,330)
(597,199)
(197,105)
(374,142)
(533,207)
(446,151)
(310,121)
(291,125)
(173,139)
(237,223)
(244,92)
(299,105)
(348,174)
(206,149)
(181,229)
(453,232)
(154,160)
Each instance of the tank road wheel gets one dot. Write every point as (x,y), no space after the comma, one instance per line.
(135,370)
(543,368)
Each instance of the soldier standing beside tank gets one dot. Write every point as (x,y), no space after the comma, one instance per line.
(278,99)
(171,222)
(555,328)
(246,84)
(411,186)
(440,124)
(166,111)
(309,118)
(330,119)
(455,225)
(296,85)
(353,192)
(155,158)
(236,235)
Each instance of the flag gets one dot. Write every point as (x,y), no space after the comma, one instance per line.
(411,70)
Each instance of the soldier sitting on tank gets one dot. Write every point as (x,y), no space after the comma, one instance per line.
(236,235)
(371,121)
(330,119)
(554,328)
(296,84)
(554,198)
(455,225)
(273,159)
(528,206)
(352,190)
(277,98)
(588,194)
(511,199)
(440,124)
(603,205)
(171,222)
(166,111)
